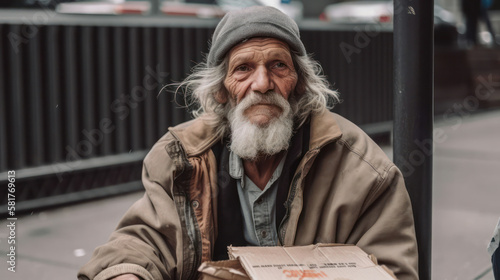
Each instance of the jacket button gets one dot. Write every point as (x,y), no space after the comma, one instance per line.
(195,204)
(263,234)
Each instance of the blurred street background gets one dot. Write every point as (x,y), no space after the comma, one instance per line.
(82,100)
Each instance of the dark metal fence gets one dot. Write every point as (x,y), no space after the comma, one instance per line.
(81,103)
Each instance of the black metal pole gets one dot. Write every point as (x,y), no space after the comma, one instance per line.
(413,113)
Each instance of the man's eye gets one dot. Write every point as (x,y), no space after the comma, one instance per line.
(279,65)
(243,68)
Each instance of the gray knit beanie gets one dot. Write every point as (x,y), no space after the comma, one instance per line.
(256,21)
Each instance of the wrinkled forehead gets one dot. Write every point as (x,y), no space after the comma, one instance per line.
(270,46)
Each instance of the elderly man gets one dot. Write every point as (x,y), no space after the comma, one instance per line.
(264,163)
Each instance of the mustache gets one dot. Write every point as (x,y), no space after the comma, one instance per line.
(270,97)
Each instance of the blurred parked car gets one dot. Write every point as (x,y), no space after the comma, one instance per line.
(109,7)
(31,3)
(196,8)
(119,7)
(381,12)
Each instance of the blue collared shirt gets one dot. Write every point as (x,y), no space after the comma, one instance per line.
(257,206)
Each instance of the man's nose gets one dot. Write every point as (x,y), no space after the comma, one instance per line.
(262,81)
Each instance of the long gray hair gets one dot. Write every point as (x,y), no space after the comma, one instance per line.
(312,93)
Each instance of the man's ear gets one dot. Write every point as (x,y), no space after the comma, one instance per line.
(221,97)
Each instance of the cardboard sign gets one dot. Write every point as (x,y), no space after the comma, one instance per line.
(321,261)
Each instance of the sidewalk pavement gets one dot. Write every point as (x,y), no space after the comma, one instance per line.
(54,244)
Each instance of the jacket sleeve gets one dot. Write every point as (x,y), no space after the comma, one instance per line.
(148,239)
(386,227)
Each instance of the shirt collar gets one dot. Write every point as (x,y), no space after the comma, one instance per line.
(235,166)
(236,170)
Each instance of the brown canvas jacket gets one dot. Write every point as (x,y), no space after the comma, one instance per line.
(345,190)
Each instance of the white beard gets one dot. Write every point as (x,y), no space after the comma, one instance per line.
(250,141)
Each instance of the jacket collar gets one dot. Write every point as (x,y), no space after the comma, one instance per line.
(324,129)
(196,136)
